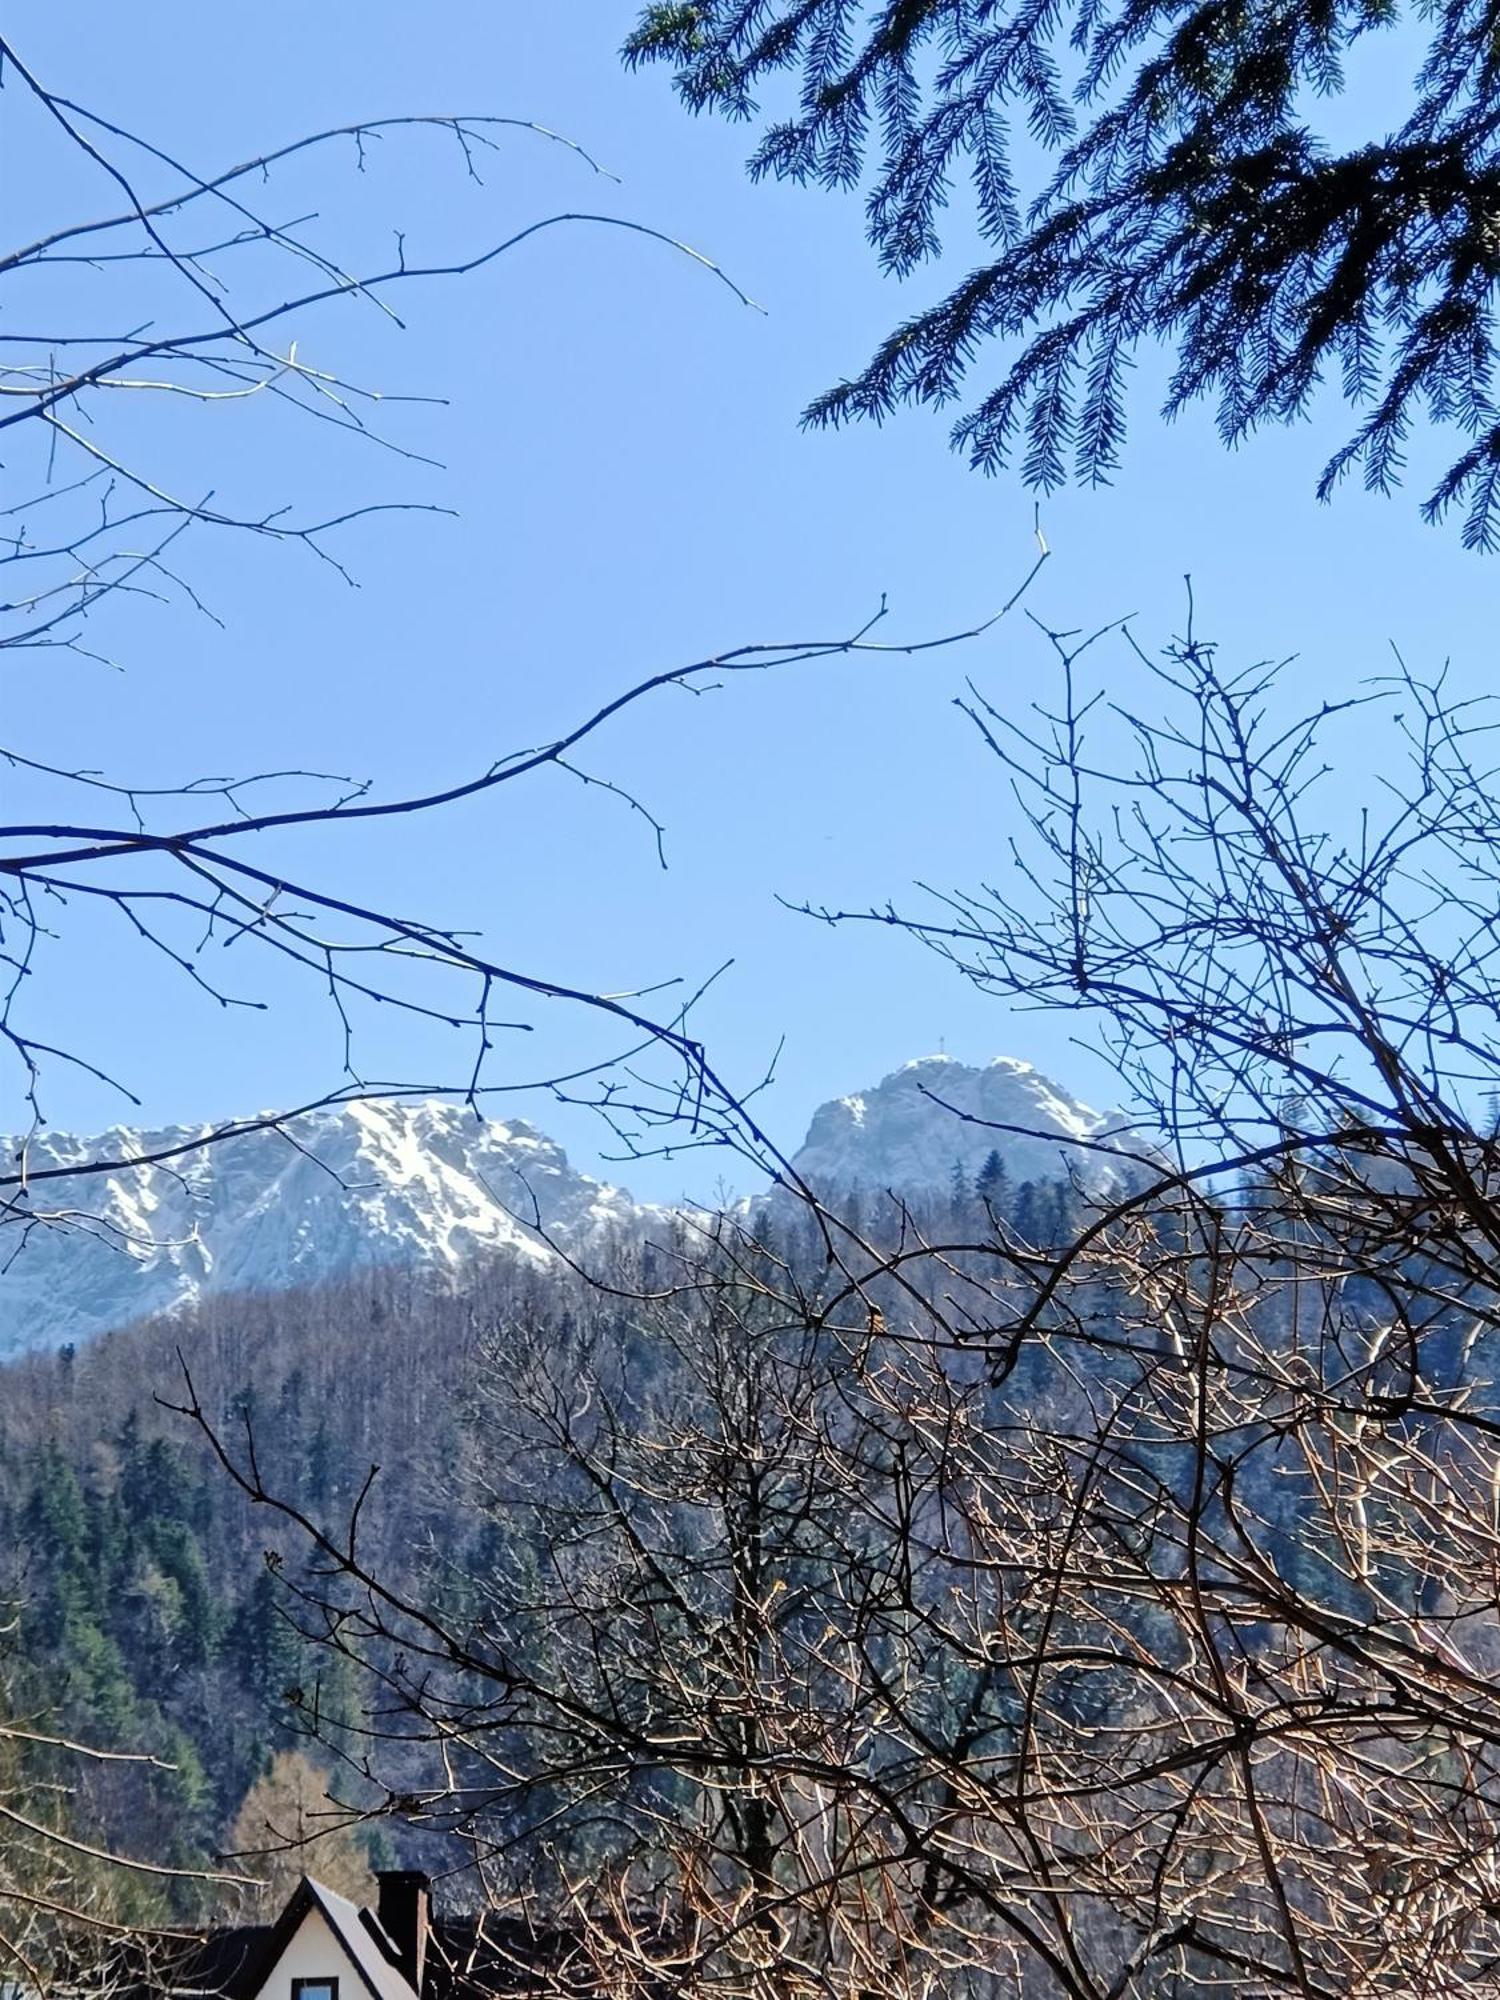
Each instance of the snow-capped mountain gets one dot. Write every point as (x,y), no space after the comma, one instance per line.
(906,1134)
(423,1184)
(401,1182)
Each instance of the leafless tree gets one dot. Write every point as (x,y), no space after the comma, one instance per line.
(906,1612)
(198,289)
(202,291)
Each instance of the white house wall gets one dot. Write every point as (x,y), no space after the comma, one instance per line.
(313,1952)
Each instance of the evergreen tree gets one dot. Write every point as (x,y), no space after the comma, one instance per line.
(1193,203)
(992,1187)
(266,1644)
(56,1522)
(1029,1214)
(959,1198)
(321,1471)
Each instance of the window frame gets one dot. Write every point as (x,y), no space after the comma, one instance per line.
(327,1982)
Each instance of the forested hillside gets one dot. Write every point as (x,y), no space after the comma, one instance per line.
(148,1609)
(667,1562)
(154,1608)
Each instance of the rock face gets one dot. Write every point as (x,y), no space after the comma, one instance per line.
(421,1184)
(415,1183)
(903,1137)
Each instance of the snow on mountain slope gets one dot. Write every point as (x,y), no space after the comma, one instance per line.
(417,1183)
(900,1136)
(421,1184)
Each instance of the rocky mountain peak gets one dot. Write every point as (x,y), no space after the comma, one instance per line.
(422,1184)
(413,1182)
(907,1133)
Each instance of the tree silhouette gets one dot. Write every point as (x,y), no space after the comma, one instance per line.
(1190,200)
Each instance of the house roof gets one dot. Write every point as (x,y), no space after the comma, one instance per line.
(468,1958)
(179,1964)
(365,1943)
(236,1963)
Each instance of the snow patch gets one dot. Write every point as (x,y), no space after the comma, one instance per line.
(416,1183)
(936,1112)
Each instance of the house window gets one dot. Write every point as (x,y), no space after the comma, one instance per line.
(315,1989)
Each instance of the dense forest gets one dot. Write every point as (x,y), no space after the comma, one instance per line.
(149,1608)
(666,1560)
(152,1607)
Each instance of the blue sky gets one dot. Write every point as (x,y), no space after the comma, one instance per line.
(620,443)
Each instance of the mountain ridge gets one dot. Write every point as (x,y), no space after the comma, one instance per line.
(371,1181)
(424,1183)
(908,1132)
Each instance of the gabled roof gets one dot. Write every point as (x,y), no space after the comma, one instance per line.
(478,1956)
(364,1945)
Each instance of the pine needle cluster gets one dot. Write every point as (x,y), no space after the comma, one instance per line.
(1185,197)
